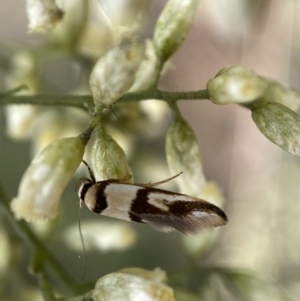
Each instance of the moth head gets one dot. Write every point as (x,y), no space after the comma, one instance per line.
(83,185)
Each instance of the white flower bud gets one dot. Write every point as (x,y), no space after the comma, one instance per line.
(46,178)
(20,119)
(279,124)
(183,156)
(108,159)
(114,73)
(69,31)
(173,26)
(103,236)
(278,93)
(146,70)
(236,84)
(43,14)
(133,284)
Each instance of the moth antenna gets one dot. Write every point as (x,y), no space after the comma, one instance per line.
(114,113)
(90,172)
(163,181)
(110,108)
(82,243)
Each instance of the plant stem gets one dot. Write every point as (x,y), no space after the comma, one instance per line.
(163,95)
(32,240)
(86,101)
(83,102)
(45,287)
(12,91)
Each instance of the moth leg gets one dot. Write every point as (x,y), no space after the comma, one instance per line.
(124,180)
(161,182)
(90,171)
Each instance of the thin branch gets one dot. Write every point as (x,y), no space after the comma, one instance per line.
(83,102)
(164,95)
(13,91)
(86,101)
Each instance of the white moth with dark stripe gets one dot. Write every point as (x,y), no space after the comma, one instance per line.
(143,203)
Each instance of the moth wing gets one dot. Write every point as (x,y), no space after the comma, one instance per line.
(191,224)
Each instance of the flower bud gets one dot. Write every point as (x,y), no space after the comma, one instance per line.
(20,119)
(278,93)
(183,156)
(69,31)
(146,70)
(173,26)
(108,159)
(235,84)
(43,14)
(46,178)
(279,124)
(133,284)
(114,73)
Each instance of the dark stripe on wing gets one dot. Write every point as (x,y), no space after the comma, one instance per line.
(101,202)
(178,208)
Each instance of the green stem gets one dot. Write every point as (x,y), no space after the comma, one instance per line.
(158,68)
(13,91)
(32,240)
(83,102)
(163,95)
(86,102)
(45,287)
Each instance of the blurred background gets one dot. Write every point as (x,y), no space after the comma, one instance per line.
(259,181)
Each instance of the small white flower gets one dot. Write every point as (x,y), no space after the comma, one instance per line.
(46,178)
(114,73)
(108,159)
(146,70)
(278,93)
(43,14)
(173,26)
(103,236)
(183,156)
(133,284)
(236,84)
(20,119)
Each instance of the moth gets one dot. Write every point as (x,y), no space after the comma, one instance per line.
(144,203)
